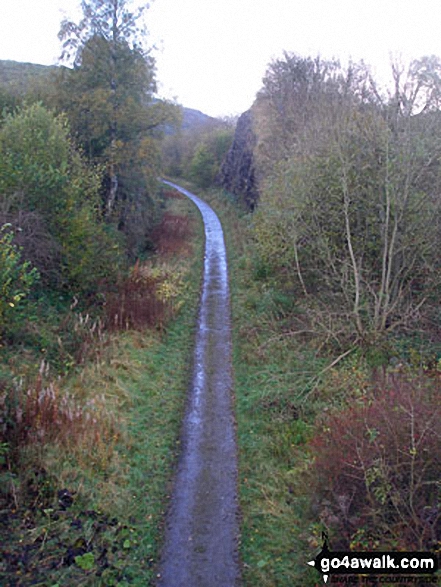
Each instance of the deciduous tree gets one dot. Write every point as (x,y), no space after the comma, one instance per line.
(352,200)
(108,97)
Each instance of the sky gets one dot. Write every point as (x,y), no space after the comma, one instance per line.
(211,55)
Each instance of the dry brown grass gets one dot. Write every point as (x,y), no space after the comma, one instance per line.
(172,235)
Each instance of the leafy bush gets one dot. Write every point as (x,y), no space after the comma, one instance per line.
(376,467)
(16,280)
(35,152)
(203,167)
(43,178)
(197,153)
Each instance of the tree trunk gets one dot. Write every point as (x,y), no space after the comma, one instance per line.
(113,190)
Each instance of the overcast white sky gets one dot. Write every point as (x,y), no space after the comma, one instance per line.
(212,54)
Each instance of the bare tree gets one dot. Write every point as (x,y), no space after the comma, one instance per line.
(353,199)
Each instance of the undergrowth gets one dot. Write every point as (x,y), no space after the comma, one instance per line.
(86,453)
(376,466)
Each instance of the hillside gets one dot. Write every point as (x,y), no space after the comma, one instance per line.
(22,77)
(192,119)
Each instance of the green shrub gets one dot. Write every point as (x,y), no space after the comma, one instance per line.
(16,280)
(43,177)
(203,167)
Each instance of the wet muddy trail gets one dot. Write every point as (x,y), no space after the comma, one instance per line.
(202,524)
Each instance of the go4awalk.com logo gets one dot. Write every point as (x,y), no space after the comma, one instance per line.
(373,563)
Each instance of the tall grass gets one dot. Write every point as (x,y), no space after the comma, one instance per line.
(45,413)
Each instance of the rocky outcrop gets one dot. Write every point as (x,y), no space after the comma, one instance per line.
(238,172)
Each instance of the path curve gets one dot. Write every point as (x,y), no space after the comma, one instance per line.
(202,524)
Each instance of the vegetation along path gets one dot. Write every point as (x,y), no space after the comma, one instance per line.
(202,527)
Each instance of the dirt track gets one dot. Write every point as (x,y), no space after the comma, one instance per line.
(202,524)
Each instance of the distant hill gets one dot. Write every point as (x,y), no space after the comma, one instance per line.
(21,77)
(194,118)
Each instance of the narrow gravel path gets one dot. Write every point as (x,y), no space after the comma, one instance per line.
(202,525)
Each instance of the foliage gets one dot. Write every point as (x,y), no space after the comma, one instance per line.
(9,102)
(118,124)
(102,97)
(172,232)
(350,186)
(85,561)
(108,97)
(376,467)
(51,198)
(112,20)
(203,167)
(35,161)
(197,152)
(152,293)
(45,414)
(23,83)
(17,278)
